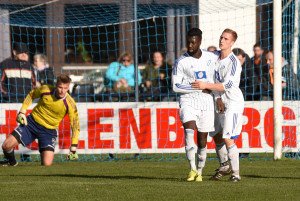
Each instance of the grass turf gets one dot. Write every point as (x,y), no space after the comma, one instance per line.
(148,180)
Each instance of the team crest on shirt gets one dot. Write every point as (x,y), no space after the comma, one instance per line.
(200,75)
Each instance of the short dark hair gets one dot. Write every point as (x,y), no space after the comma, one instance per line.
(212,47)
(269,51)
(239,51)
(257,45)
(20,48)
(194,32)
(63,78)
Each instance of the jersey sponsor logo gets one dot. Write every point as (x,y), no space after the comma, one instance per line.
(200,75)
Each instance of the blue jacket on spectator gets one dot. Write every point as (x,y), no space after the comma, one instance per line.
(117,71)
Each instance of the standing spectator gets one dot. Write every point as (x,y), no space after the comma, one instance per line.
(289,80)
(44,74)
(17,76)
(120,75)
(157,76)
(258,61)
(248,75)
(212,48)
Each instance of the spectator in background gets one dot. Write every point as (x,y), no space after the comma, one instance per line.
(120,75)
(212,48)
(248,76)
(17,75)
(157,76)
(289,80)
(258,62)
(44,74)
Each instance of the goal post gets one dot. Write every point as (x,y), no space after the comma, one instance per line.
(277,34)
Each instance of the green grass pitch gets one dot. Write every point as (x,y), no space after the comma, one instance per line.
(148,180)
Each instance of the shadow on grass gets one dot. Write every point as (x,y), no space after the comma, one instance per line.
(137,177)
(113,177)
(270,177)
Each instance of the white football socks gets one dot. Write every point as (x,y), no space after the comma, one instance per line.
(190,148)
(233,154)
(222,153)
(201,154)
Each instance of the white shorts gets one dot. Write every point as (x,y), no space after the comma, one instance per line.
(231,122)
(204,118)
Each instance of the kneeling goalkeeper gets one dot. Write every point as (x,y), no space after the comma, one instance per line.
(42,124)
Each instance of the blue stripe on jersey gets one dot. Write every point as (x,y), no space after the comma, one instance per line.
(234,62)
(177,61)
(228,85)
(180,86)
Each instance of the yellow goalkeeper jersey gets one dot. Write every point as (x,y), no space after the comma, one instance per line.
(50,110)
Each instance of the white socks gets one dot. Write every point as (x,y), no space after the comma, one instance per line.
(190,147)
(233,154)
(222,153)
(201,154)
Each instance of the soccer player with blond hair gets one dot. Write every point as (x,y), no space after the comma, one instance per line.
(42,123)
(230,103)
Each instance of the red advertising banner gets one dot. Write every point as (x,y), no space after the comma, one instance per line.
(156,128)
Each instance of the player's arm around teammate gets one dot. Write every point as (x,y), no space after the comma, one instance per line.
(196,106)
(227,82)
(42,124)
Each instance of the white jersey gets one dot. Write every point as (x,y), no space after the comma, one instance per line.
(228,72)
(186,70)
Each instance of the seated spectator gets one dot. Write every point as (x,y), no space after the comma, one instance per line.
(44,74)
(248,83)
(212,48)
(289,80)
(17,75)
(120,75)
(157,75)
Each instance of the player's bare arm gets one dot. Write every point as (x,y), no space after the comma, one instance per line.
(210,86)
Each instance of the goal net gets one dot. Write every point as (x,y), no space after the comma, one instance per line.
(83,38)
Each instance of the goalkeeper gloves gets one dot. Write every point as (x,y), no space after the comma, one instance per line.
(21,118)
(72,155)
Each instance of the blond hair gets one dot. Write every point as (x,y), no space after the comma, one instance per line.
(125,54)
(41,57)
(233,33)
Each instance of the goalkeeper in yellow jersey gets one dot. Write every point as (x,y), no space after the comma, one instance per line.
(42,124)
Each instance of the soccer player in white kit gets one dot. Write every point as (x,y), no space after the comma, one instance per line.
(227,79)
(196,106)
